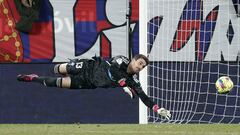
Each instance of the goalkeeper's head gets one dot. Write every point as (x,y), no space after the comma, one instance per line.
(138,62)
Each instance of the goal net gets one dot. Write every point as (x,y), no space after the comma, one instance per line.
(190,44)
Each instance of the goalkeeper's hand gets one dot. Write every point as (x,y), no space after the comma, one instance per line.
(129,91)
(162,112)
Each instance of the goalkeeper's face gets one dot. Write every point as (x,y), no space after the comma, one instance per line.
(136,66)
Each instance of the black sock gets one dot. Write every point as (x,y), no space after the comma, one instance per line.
(48,81)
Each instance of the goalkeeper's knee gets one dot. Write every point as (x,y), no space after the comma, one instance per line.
(61,82)
(60,68)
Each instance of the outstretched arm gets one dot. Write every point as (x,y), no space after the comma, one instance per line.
(150,104)
(134,88)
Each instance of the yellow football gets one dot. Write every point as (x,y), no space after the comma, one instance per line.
(224,84)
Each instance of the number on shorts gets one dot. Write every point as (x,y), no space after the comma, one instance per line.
(79,65)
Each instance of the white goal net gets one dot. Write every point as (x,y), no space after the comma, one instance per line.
(190,44)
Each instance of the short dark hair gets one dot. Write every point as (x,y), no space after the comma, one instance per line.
(138,56)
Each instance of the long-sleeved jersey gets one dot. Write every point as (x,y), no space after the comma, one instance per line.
(118,69)
(96,72)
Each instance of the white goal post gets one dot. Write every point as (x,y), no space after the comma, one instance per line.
(190,44)
(143,50)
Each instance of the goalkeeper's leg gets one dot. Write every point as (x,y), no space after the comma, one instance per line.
(62,82)
(73,67)
(61,69)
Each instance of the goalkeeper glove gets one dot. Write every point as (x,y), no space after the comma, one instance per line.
(129,91)
(162,111)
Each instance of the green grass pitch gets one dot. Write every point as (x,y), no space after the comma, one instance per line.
(119,129)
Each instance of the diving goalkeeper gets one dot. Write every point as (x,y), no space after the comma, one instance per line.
(97,72)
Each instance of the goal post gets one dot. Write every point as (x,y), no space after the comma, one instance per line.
(143,50)
(190,44)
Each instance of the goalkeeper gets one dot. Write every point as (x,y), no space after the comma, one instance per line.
(97,72)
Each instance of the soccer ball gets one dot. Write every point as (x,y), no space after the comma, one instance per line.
(224,84)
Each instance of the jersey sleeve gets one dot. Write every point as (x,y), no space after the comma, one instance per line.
(146,100)
(136,86)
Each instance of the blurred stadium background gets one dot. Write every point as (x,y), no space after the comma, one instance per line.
(190,43)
